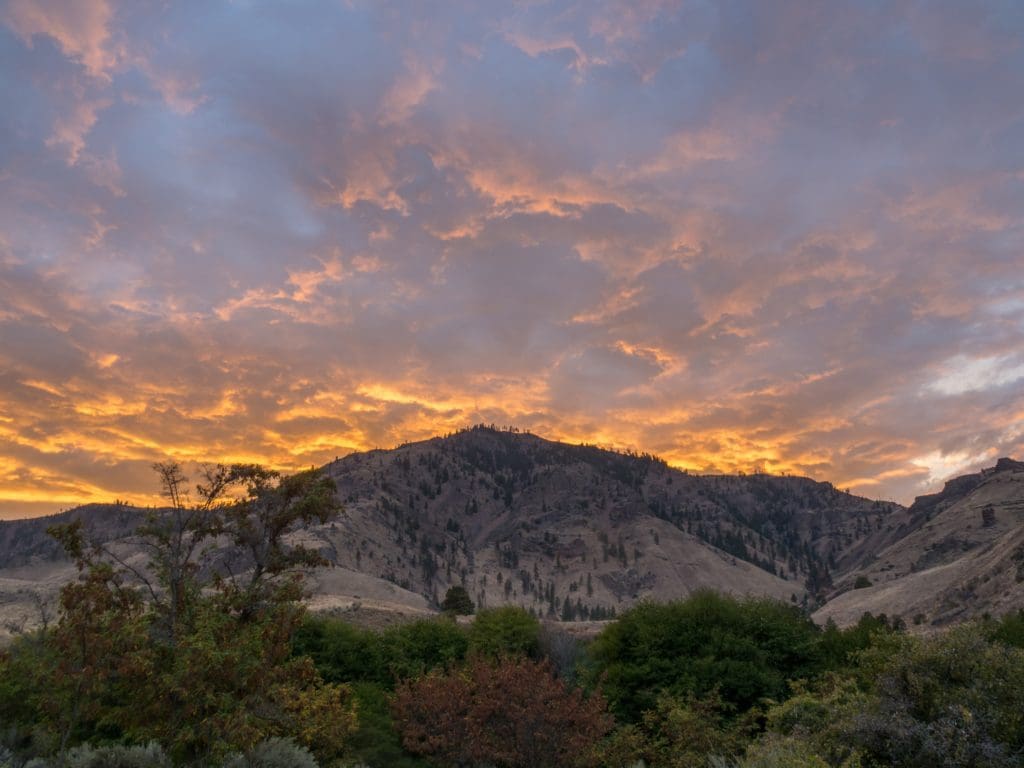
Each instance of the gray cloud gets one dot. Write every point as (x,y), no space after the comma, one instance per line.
(734,234)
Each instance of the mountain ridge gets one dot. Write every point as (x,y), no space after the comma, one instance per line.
(570,531)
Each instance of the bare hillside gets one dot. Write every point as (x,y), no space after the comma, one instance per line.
(963,555)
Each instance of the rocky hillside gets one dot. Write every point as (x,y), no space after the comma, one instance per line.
(573,532)
(576,533)
(961,554)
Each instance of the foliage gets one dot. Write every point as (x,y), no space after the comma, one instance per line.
(817,716)
(421,646)
(86,756)
(273,753)
(84,667)
(839,647)
(780,752)
(343,653)
(375,741)
(747,650)
(340,651)
(513,713)
(194,657)
(457,601)
(1010,629)
(952,701)
(505,631)
(679,734)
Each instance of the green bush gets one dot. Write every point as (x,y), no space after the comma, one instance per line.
(948,701)
(344,653)
(839,647)
(340,651)
(679,734)
(413,649)
(1010,629)
(505,631)
(747,650)
(376,742)
(775,752)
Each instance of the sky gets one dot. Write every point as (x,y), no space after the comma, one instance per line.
(781,236)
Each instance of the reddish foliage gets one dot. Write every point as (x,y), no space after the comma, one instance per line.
(511,714)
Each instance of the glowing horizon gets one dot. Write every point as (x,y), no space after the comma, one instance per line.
(735,236)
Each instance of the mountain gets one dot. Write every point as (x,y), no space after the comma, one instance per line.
(576,532)
(570,531)
(961,554)
(521,519)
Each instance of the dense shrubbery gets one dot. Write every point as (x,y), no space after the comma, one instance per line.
(508,713)
(230,673)
(343,653)
(746,650)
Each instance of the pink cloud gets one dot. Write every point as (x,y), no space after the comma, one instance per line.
(80,27)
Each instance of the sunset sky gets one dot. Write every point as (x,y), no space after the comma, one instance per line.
(778,235)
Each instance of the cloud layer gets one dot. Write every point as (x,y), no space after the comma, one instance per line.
(740,235)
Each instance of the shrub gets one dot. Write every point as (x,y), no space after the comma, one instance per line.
(949,701)
(86,756)
(341,652)
(344,653)
(775,752)
(273,753)
(505,631)
(1010,629)
(413,649)
(678,734)
(839,647)
(747,650)
(510,714)
(376,742)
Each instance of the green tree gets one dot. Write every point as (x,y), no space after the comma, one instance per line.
(747,650)
(507,630)
(413,649)
(188,651)
(457,601)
